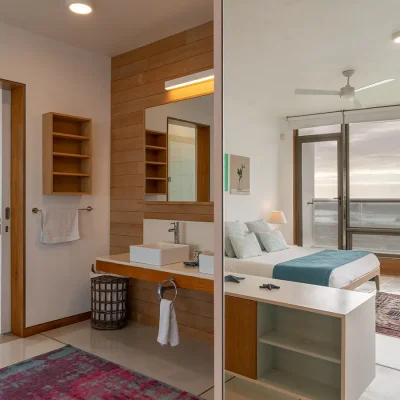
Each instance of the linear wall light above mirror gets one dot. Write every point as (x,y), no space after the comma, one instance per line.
(190,79)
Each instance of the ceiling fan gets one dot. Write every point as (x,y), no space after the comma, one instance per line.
(347,92)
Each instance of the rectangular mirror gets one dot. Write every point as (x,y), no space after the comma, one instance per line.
(179,150)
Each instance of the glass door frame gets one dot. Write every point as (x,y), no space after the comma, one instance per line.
(342,185)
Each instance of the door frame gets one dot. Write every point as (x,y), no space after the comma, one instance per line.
(17,221)
(298,179)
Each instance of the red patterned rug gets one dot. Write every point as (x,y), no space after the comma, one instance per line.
(388,314)
(69,373)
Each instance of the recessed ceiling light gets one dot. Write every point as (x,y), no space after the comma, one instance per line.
(80,6)
(396,37)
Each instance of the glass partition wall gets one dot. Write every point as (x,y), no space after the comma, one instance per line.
(348,187)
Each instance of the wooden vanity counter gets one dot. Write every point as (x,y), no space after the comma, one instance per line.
(185,277)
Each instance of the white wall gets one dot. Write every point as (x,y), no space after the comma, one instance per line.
(68,80)
(199,109)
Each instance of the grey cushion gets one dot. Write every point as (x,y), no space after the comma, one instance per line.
(272,241)
(231,228)
(259,226)
(246,246)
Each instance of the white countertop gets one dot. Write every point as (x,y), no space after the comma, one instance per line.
(178,268)
(318,299)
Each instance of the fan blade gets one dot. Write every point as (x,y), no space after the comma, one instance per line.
(356,103)
(375,84)
(317,92)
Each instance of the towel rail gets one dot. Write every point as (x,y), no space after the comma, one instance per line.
(161,289)
(88,208)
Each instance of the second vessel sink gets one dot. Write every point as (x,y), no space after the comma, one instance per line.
(159,253)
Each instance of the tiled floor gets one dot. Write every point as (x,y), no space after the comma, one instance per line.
(135,347)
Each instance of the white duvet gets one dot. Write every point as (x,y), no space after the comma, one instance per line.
(264,265)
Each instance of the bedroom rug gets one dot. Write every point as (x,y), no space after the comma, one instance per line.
(69,373)
(388,314)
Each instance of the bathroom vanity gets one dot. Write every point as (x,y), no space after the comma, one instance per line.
(301,341)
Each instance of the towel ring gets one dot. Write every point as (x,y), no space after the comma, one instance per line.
(161,289)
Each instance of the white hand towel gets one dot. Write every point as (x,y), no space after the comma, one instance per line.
(59,226)
(168,330)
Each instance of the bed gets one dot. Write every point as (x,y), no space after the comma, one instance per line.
(348,276)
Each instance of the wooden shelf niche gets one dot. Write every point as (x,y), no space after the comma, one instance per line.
(156,164)
(67,154)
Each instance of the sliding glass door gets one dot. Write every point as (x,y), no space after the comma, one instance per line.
(319,188)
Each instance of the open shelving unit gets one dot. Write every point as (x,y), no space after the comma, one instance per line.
(303,342)
(67,154)
(156,159)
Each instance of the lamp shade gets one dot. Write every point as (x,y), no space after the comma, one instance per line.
(277,217)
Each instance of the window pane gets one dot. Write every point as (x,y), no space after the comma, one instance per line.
(375,160)
(374,215)
(319,130)
(377,243)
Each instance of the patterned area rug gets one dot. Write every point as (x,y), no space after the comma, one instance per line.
(388,314)
(69,373)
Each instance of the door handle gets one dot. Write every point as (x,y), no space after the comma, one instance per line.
(339,199)
(310,203)
(8,212)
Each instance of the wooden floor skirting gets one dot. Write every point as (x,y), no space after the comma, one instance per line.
(59,323)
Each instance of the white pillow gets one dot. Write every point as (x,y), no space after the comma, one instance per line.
(259,226)
(245,246)
(231,228)
(272,241)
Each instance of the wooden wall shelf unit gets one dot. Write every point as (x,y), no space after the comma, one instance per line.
(67,154)
(156,158)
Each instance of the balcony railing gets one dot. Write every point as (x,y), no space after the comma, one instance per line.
(375,224)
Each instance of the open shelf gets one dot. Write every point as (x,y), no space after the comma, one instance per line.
(70,174)
(299,386)
(324,351)
(155,147)
(67,154)
(72,155)
(69,136)
(156,159)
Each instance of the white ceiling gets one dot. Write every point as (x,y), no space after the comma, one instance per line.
(115,26)
(307,44)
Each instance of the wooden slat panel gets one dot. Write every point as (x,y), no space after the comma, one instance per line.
(167,57)
(181,209)
(163,45)
(126,229)
(127,132)
(138,83)
(125,241)
(132,168)
(194,334)
(165,97)
(157,276)
(118,181)
(184,318)
(119,250)
(186,304)
(127,144)
(186,293)
(241,336)
(127,120)
(126,193)
(178,217)
(167,72)
(127,217)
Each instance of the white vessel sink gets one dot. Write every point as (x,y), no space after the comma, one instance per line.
(159,253)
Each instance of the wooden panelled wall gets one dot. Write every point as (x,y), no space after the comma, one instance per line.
(138,82)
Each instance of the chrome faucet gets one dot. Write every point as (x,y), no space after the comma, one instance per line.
(175,229)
